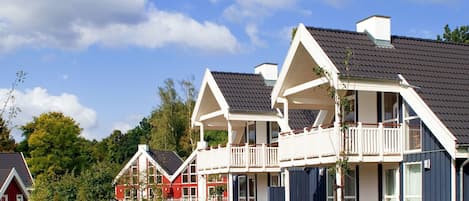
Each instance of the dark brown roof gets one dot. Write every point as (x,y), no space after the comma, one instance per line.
(168,160)
(244,92)
(15,160)
(299,119)
(3,176)
(440,70)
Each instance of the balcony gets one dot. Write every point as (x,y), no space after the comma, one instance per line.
(238,159)
(323,145)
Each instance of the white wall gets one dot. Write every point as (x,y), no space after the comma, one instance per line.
(261,132)
(367,107)
(368,182)
(262,188)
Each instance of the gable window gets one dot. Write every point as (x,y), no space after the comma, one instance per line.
(274,131)
(350,186)
(190,174)
(413,182)
(391,184)
(151,173)
(189,193)
(159,177)
(19,197)
(390,109)
(134,174)
(413,129)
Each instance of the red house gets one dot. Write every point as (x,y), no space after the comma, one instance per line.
(15,178)
(154,174)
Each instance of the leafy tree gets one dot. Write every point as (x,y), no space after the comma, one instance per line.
(458,34)
(54,145)
(169,120)
(214,138)
(96,182)
(7,143)
(55,188)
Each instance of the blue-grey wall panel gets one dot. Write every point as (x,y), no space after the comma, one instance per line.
(307,184)
(437,179)
(276,194)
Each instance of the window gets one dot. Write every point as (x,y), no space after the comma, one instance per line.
(190,174)
(189,193)
(19,197)
(274,131)
(390,108)
(151,174)
(134,174)
(251,133)
(274,180)
(159,177)
(151,194)
(350,186)
(413,182)
(390,184)
(4,197)
(127,193)
(412,129)
(349,108)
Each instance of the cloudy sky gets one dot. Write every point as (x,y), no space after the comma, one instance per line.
(101,62)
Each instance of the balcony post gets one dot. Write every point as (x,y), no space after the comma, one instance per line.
(360,141)
(337,136)
(247,155)
(381,140)
(264,155)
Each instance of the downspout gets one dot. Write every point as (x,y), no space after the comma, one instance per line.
(461,179)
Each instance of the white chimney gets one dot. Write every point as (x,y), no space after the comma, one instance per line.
(143,147)
(268,71)
(378,26)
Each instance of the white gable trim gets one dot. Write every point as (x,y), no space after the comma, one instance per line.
(304,37)
(29,172)
(209,83)
(140,152)
(13,174)
(430,119)
(181,168)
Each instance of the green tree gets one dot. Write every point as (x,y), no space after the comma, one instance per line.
(169,120)
(55,145)
(7,143)
(95,183)
(458,34)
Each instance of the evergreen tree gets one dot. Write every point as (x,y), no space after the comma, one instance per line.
(458,34)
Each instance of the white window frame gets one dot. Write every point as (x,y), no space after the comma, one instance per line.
(406,134)
(19,197)
(405,196)
(248,130)
(5,197)
(188,173)
(274,177)
(396,180)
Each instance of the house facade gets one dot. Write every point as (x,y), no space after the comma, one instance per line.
(160,175)
(239,103)
(16,181)
(404,134)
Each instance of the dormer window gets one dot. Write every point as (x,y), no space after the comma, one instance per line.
(413,129)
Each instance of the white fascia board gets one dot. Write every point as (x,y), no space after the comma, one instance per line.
(305,86)
(29,172)
(253,117)
(184,165)
(369,85)
(12,175)
(155,163)
(211,115)
(127,165)
(304,37)
(444,136)
(285,67)
(208,83)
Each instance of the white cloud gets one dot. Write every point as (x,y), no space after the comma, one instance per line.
(252,32)
(127,124)
(37,101)
(336,3)
(255,9)
(81,23)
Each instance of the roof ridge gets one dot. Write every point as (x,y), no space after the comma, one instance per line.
(335,30)
(235,73)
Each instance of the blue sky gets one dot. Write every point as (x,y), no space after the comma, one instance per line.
(101,63)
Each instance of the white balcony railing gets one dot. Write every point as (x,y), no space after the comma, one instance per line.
(361,142)
(256,158)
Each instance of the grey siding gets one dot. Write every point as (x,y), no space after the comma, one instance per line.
(307,184)
(436,180)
